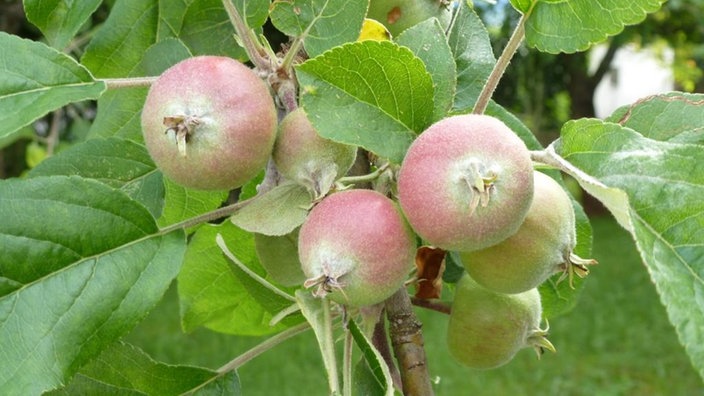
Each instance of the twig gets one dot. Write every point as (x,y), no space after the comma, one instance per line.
(257,350)
(130,82)
(209,216)
(501,64)
(267,344)
(433,305)
(52,139)
(408,345)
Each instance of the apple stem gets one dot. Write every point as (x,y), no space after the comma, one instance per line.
(408,344)
(501,64)
(363,178)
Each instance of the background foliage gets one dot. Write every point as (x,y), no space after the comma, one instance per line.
(93,235)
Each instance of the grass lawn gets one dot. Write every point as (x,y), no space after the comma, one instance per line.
(616,342)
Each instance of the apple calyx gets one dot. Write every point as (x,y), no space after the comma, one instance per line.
(325,284)
(480,179)
(538,340)
(574,265)
(183,126)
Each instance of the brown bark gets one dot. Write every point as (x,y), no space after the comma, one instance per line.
(408,345)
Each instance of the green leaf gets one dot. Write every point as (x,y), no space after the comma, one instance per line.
(119,114)
(255,12)
(454,269)
(675,117)
(59,20)
(523,6)
(10,138)
(323,24)
(427,41)
(182,203)
(373,358)
(474,57)
(126,368)
(119,45)
(654,189)
(513,122)
(164,54)
(204,27)
(575,25)
(277,212)
(117,51)
(207,30)
(38,79)
(219,296)
(54,325)
(317,312)
(377,95)
(116,162)
(51,222)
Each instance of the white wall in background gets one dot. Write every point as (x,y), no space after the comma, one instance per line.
(635,73)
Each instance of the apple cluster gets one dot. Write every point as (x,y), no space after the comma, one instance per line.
(466,184)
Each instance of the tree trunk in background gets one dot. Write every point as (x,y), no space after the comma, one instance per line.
(580,84)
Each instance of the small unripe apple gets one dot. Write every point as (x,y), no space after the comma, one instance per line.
(279,257)
(209,123)
(305,157)
(486,329)
(356,248)
(466,183)
(541,247)
(399,15)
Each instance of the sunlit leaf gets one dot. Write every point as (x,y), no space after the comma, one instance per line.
(374,94)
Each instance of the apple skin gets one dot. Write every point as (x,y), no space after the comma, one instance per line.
(305,157)
(399,15)
(232,128)
(438,178)
(541,247)
(486,329)
(356,247)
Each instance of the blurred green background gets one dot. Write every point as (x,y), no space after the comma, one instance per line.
(617,341)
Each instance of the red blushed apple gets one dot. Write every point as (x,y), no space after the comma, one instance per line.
(209,123)
(356,248)
(466,183)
